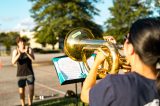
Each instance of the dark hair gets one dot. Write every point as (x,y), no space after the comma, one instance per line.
(18,39)
(144,35)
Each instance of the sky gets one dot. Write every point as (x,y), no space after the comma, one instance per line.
(15,14)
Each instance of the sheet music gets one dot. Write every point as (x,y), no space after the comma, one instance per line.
(68,69)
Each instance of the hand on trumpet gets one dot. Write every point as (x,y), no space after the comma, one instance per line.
(100,57)
(101,64)
(110,39)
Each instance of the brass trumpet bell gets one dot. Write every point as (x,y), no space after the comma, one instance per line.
(75,41)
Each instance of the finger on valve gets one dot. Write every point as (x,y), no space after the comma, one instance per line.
(110,39)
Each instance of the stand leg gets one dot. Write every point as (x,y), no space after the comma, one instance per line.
(81,87)
(76,94)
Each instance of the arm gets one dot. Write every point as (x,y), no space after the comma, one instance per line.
(15,55)
(30,53)
(90,81)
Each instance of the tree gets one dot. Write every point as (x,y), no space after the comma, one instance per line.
(124,12)
(2,35)
(154,6)
(12,36)
(8,39)
(55,18)
(157,5)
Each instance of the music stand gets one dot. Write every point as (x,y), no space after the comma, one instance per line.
(70,71)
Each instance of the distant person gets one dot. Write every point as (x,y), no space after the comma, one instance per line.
(141,86)
(23,56)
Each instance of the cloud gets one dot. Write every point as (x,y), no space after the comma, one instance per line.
(8,19)
(25,24)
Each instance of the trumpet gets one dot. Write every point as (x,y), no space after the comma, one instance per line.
(80,44)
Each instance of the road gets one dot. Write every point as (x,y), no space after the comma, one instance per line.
(46,84)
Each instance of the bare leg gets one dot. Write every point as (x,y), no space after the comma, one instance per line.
(22,95)
(30,95)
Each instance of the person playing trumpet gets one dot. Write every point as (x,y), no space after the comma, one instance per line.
(141,86)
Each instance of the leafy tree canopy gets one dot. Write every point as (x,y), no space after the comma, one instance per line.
(124,12)
(8,39)
(154,7)
(55,18)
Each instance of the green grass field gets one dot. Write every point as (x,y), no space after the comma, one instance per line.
(65,101)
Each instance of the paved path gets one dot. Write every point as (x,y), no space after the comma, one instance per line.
(47,83)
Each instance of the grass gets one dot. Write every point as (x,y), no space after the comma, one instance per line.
(65,101)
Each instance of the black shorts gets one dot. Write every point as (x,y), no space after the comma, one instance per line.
(23,80)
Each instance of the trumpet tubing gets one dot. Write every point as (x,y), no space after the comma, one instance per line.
(79,45)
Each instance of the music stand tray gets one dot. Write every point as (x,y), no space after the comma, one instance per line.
(70,71)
